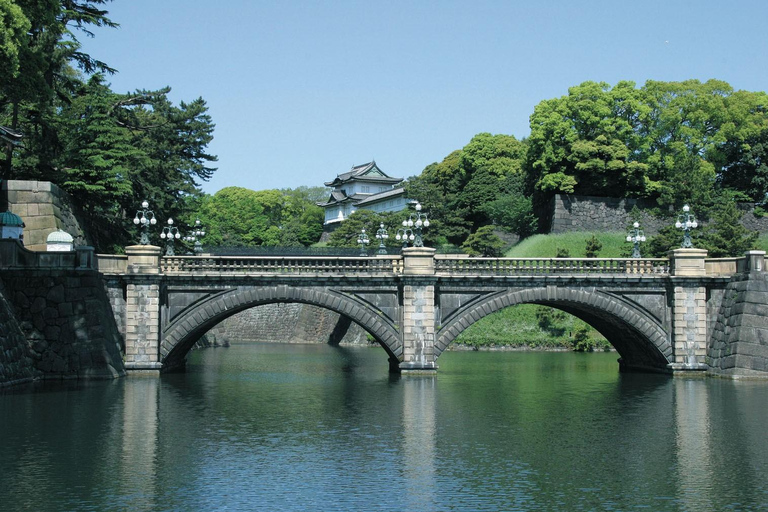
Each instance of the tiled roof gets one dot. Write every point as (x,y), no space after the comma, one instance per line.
(361,173)
(374,198)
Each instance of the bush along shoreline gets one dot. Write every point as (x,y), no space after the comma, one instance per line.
(531,327)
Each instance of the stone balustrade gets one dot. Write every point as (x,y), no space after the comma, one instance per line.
(281,264)
(550,266)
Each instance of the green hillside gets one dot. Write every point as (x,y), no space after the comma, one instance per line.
(546,246)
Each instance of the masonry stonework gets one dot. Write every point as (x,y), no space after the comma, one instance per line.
(588,213)
(288,323)
(44,208)
(66,325)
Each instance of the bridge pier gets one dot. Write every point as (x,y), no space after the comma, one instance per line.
(142,309)
(418,311)
(689,310)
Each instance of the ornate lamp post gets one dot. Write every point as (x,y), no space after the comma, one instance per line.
(363,240)
(421,221)
(170,232)
(197,233)
(686,221)
(382,235)
(405,234)
(145,217)
(636,236)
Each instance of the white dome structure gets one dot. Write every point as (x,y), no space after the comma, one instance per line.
(60,241)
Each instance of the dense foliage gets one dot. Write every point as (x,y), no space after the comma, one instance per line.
(239,217)
(62,122)
(675,142)
(479,185)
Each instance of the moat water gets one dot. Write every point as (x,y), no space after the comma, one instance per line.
(310,427)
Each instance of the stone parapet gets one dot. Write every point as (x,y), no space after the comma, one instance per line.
(688,262)
(143,259)
(419,261)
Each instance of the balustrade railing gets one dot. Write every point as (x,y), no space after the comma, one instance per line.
(393,264)
(551,266)
(281,264)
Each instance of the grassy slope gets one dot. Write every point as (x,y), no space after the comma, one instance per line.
(546,246)
(517,326)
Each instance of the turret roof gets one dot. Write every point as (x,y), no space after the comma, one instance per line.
(10,219)
(369,172)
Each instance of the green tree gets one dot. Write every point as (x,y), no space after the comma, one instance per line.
(582,342)
(96,160)
(234,217)
(725,236)
(437,188)
(348,232)
(593,247)
(587,143)
(550,320)
(456,190)
(13,32)
(742,159)
(174,139)
(46,54)
(674,142)
(484,242)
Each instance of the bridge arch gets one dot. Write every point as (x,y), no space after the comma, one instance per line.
(639,338)
(185,329)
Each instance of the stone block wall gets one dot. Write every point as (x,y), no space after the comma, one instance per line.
(44,208)
(65,323)
(16,364)
(287,323)
(739,340)
(588,213)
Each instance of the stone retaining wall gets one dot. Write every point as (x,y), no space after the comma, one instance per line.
(66,326)
(287,323)
(44,208)
(739,344)
(16,365)
(589,213)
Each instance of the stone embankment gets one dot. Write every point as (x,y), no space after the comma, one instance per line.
(286,323)
(16,363)
(56,321)
(739,344)
(587,213)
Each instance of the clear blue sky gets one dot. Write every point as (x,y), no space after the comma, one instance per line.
(301,91)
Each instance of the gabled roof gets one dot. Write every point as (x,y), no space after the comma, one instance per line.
(339,197)
(360,200)
(369,172)
(381,196)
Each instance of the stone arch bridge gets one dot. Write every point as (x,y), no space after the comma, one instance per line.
(661,314)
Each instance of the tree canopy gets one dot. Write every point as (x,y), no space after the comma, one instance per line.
(674,142)
(64,124)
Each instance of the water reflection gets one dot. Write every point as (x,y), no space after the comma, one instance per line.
(693,444)
(419,440)
(269,427)
(139,436)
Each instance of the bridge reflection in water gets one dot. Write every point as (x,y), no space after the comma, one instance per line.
(296,427)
